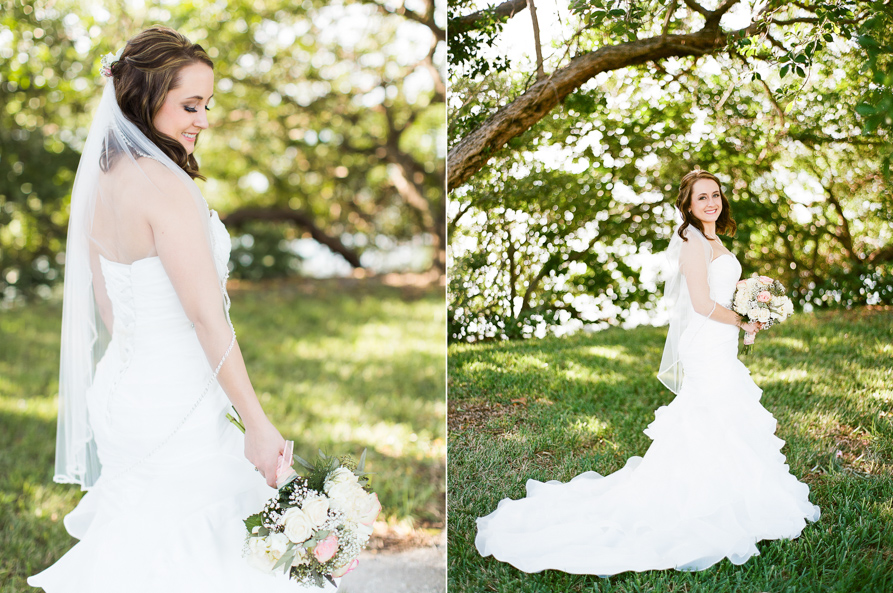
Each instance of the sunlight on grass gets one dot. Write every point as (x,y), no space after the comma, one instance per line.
(796,344)
(590,425)
(885,395)
(612,353)
(791,375)
(529,362)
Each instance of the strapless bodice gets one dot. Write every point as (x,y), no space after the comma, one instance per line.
(144,300)
(723,274)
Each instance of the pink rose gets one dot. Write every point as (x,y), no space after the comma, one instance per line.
(741,284)
(284,471)
(766,280)
(343,570)
(325,549)
(764,296)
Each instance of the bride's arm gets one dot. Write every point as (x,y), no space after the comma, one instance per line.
(182,245)
(694,267)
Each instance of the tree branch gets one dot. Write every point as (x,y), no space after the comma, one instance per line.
(468,155)
(239,217)
(540,72)
(697,8)
(671,8)
(471,21)
(426,19)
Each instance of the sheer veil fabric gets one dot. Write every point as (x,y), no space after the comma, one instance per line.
(679,303)
(117,155)
(712,483)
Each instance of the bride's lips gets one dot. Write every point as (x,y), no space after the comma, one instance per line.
(190,137)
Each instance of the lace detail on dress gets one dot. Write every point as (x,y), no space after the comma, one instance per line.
(120,291)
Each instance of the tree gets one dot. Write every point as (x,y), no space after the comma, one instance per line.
(327,125)
(600,172)
(653,31)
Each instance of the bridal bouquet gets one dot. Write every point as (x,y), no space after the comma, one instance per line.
(761,299)
(317,524)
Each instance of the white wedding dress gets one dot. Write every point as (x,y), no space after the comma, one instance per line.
(166,514)
(711,485)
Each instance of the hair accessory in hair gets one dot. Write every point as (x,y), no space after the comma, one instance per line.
(107,61)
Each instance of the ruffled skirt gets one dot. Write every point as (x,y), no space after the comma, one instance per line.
(711,485)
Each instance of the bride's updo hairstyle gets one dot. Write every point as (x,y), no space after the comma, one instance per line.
(724,224)
(148,68)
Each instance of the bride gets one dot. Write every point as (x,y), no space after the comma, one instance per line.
(150,363)
(713,482)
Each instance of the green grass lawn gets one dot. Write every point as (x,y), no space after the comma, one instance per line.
(553,408)
(338,364)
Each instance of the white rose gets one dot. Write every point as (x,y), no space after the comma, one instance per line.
(341,496)
(298,526)
(316,509)
(278,545)
(763,315)
(367,508)
(753,312)
(788,307)
(342,475)
(364,531)
(259,554)
(301,556)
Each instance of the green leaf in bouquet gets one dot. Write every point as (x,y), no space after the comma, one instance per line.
(303,462)
(286,560)
(317,579)
(331,580)
(362,464)
(316,538)
(253,521)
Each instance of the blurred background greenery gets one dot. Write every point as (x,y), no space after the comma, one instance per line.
(325,152)
(325,159)
(556,214)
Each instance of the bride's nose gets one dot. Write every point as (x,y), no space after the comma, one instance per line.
(201,119)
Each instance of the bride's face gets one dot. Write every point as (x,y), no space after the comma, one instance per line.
(706,203)
(183,115)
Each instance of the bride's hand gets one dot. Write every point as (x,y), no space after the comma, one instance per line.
(263,444)
(751,328)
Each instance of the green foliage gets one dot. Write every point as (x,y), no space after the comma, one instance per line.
(338,364)
(261,250)
(551,409)
(791,152)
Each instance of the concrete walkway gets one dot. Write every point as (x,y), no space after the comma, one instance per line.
(416,570)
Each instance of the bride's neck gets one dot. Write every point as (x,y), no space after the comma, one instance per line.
(709,229)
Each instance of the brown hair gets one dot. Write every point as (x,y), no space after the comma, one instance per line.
(149,67)
(724,224)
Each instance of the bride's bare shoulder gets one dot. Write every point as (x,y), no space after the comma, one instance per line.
(145,177)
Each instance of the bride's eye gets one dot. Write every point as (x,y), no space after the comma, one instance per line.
(190,109)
